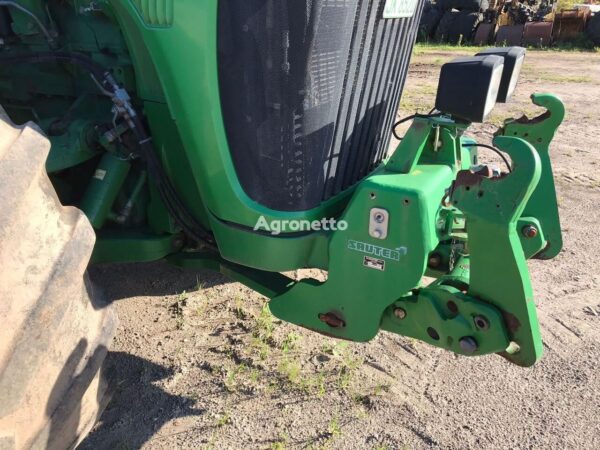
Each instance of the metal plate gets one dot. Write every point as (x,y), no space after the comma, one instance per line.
(569,23)
(538,34)
(509,35)
(378,223)
(483,34)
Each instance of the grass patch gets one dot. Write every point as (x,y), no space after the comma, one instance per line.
(561,78)
(580,44)
(290,342)
(238,310)
(223,420)
(422,48)
(290,370)
(264,326)
(177,310)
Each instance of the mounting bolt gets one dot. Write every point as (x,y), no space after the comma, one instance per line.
(468,344)
(529,231)
(435,260)
(400,313)
(332,319)
(481,322)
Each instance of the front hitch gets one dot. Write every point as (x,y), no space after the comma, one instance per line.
(431,209)
(482,303)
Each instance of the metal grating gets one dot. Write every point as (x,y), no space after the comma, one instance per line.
(309,91)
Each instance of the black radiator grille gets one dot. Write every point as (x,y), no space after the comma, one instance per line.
(309,91)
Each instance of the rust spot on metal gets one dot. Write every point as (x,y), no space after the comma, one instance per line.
(524,120)
(527,121)
(332,319)
(537,33)
(512,323)
(469,178)
(509,34)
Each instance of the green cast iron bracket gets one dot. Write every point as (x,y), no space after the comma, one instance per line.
(498,268)
(350,304)
(539,132)
(443,316)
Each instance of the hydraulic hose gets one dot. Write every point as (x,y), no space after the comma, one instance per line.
(108,87)
(87,63)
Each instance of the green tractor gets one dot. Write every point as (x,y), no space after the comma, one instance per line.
(251,137)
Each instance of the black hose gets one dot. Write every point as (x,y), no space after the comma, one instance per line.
(166,189)
(414,116)
(495,150)
(87,63)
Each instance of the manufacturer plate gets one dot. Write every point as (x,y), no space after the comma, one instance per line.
(374,263)
(397,9)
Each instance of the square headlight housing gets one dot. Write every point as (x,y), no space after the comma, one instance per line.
(468,87)
(513,62)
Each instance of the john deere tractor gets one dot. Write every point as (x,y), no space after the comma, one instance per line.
(251,137)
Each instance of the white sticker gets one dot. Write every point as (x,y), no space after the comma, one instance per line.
(374,263)
(397,9)
(100,174)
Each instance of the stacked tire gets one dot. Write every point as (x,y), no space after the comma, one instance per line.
(593,29)
(430,20)
(453,21)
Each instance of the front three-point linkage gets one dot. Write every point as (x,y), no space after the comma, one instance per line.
(485,304)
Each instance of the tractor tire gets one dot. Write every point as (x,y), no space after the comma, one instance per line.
(455,24)
(465,26)
(429,22)
(592,30)
(54,330)
(445,26)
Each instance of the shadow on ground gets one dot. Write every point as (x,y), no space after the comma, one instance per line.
(122,281)
(138,408)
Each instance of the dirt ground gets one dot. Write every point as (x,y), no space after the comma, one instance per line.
(201,363)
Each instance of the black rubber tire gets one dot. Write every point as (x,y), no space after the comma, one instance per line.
(592,30)
(465,26)
(445,26)
(429,23)
(455,24)
(55,331)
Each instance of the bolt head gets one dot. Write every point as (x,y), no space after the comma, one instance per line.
(468,344)
(529,231)
(400,313)
(435,261)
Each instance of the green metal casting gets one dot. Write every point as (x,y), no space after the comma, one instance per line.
(539,132)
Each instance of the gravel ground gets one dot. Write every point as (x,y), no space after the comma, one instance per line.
(202,364)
